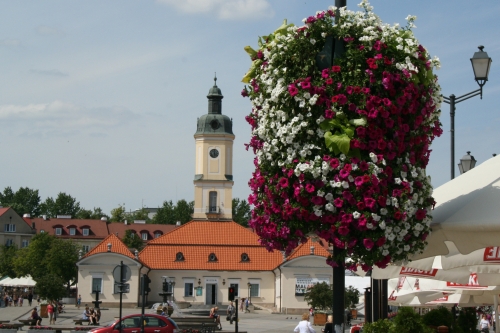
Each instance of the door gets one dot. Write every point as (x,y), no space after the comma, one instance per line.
(211,295)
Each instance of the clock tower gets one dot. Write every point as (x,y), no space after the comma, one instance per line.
(213,180)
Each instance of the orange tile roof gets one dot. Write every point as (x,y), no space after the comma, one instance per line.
(98,229)
(196,240)
(117,246)
(120,228)
(304,249)
(3,210)
(209,233)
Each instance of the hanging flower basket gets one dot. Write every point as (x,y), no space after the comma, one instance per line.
(341,151)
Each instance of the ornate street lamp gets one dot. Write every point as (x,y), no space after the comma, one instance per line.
(466,163)
(481,66)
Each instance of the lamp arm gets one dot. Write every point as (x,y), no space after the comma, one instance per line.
(465,96)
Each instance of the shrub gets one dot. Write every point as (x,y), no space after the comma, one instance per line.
(408,321)
(438,317)
(380,326)
(467,320)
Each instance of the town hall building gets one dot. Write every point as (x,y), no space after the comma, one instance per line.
(201,259)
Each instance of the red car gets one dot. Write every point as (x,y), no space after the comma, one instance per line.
(132,324)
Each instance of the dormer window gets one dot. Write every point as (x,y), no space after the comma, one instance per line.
(244,257)
(72,231)
(144,236)
(157,234)
(179,256)
(212,257)
(85,231)
(58,231)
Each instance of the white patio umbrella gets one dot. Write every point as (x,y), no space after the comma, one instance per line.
(467,212)
(5,281)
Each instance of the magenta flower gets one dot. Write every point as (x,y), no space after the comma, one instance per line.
(310,188)
(292,89)
(338,202)
(368,243)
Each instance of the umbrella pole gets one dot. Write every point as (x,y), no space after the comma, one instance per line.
(495,302)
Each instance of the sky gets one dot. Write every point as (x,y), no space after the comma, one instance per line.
(99,99)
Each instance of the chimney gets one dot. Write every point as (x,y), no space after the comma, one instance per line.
(125,222)
(63,216)
(27,215)
(136,253)
(44,217)
(178,223)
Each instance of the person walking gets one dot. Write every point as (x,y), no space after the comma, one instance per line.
(329,325)
(304,325)
(30,298)
(50,312)
(242,304)
(230,312)
(79,301)
(484,324)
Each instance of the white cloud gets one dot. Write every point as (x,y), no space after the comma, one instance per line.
(46,30)
(225,9)
(58,115)
(10,42)
(49,72)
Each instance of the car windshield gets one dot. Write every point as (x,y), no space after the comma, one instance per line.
(173,323)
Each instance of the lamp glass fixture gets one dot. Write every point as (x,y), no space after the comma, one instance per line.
(481,66)
(467,163)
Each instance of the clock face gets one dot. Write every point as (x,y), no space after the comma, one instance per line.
(214,124)
(214,153)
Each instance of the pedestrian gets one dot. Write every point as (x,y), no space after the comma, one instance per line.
(38,299)
(79,301)
(50,311)
(242,304)
(36,318)
(15,299)
(329,325)
(484,324)
(247,303)
(30,298)
(304,325)
(230,312)
(20,301)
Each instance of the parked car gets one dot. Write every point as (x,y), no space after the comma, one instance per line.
(132,324)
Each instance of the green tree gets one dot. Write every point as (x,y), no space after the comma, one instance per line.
(409,321)
(87,214)
(7,255)
(64,204)
(132,240)
(138,215)
(241,211)
(118,214)
(351,297)
(23,201)
(169,213)
(320,296)
(45,257)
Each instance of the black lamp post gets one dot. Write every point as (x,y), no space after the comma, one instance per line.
(466,163)
(249,295)
(481,66)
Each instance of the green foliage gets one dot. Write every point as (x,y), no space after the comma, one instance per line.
(87,214)
(132,240)
(380,326)
(170,213)
(467,321)
(23,201)
(118,214)
(64,204)
(320,296)
(438,317)
(45,257)
(351,297)
(138,215)
(7,255)
(408,321)
(241,211)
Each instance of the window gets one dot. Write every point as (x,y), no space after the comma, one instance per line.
(254,288)
(85,231)
(212,257)
(179,256)
(236,288)
(9,242)
(96,282)
(72,231)
(58,231)
(188,289)
(145,236)
(85,248)
(9,227)
(244,257)
(212,201)
(25,243)
(157,234)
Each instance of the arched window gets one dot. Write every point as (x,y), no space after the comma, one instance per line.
(212,201)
